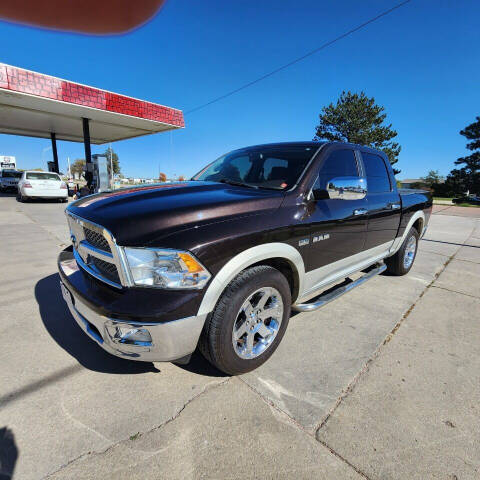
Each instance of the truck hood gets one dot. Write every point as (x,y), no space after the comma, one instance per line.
(140,216)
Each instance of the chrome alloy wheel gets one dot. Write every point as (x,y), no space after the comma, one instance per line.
(257,322)
(410,251)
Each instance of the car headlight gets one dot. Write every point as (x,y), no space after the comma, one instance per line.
(164,268)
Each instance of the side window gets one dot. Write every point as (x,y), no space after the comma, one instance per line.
(378,180)
(340,163)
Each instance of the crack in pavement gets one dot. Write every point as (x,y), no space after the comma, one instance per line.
(205,389)
(351,386)
(456,291)
(294,422)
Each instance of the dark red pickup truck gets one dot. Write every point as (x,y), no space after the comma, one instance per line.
(218,262)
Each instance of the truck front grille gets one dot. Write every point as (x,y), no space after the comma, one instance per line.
(96,252)
(96,239)
(107,269)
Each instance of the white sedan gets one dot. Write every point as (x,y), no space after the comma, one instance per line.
(35,184)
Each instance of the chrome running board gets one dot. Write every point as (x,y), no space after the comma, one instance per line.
(338,291)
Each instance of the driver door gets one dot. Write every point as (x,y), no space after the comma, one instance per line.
(338,225)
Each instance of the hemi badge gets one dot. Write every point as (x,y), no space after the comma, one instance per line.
(318,238)
(304,241)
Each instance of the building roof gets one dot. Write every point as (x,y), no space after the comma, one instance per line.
(36,105)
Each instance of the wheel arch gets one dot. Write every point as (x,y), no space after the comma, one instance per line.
(417,219)
(278,255)
(418,224)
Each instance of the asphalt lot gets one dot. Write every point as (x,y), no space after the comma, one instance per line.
(383,383)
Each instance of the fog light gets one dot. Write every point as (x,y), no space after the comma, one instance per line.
(130,336)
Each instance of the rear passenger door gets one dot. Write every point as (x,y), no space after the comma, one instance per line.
(384,207)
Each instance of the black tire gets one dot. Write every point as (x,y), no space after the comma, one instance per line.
(21,198)
(216,340)
(395,263)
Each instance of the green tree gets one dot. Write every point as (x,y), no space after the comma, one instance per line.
(455,184)
(433,177)
(356,118)
(115,162)
(78,167)
(471,169)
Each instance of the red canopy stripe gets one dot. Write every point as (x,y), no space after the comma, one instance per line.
(24,81)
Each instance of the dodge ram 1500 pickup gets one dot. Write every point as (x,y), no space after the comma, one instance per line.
(219,261)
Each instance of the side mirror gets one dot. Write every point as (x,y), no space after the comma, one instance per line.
(347,188)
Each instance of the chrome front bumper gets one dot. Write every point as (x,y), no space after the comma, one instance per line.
(169,341)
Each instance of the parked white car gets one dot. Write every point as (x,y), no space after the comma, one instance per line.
(9,180)
(35,184)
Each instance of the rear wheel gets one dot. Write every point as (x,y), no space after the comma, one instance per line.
(21,198)
(248,322)
(402,261)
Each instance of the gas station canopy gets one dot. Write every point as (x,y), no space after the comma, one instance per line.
(37,105)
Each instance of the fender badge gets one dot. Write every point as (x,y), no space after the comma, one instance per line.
(303,242)
(318,238)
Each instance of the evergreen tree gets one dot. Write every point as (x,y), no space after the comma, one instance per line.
(356,118)
(471,169)
(433,177)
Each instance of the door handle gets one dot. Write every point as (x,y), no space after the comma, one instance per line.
(360,211)
(394,206)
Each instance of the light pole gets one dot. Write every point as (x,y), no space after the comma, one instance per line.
(46,149)
(111,167)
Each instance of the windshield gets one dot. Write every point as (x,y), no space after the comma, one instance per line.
(42,176)
(11,174)
(276,167)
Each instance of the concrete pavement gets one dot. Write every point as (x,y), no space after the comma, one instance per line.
(382,383)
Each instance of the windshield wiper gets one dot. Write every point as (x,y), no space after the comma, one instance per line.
(235,182)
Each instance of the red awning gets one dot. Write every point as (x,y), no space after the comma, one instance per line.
(36,105)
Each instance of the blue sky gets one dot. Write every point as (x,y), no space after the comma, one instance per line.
(421,62)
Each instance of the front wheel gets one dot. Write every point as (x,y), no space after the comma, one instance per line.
(248,322)
(402,261)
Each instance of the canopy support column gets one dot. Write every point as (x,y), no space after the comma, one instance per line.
(88,152)
(54,151)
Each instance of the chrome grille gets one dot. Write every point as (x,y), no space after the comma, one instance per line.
(109,270)
(96,252)
(96,239)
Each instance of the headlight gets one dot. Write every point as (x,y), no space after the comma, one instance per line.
(165,268)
